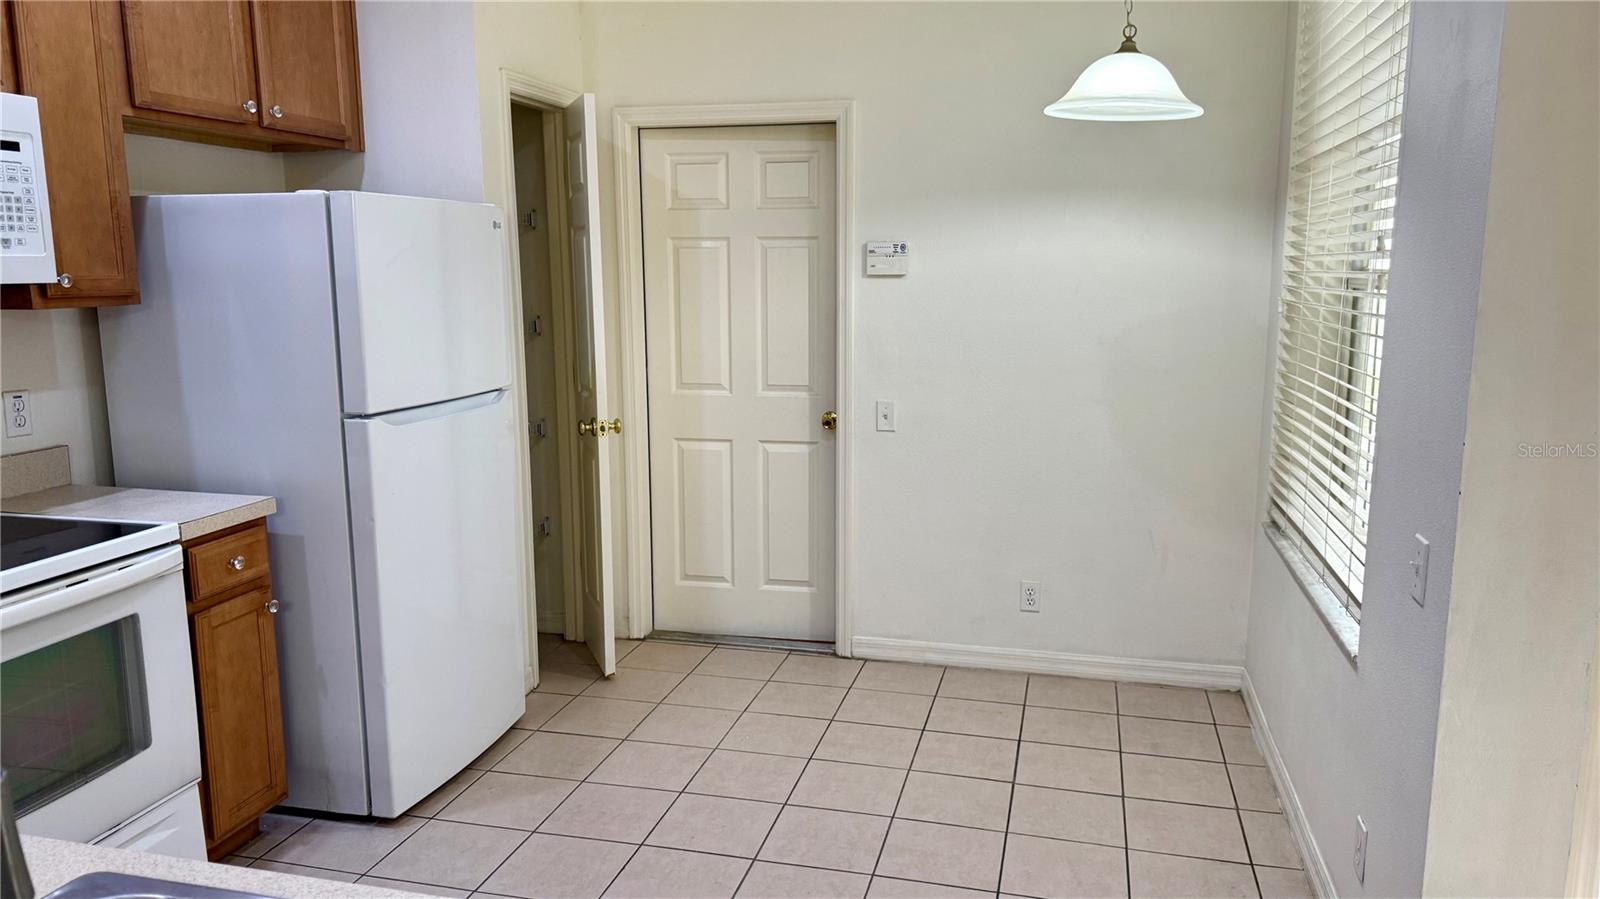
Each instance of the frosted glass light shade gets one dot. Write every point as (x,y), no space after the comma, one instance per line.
(1126,86)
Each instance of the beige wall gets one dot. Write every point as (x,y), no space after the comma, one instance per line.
(1074,356)
(418,106)
(536,40)
(1356,738)
(56,355)
(1520,647)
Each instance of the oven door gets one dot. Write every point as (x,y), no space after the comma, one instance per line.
(97,702)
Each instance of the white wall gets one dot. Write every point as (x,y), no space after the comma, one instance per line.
(536,40)
(1357,739)
(158,165)
(418,107)
(1074,357)
(1520,646)
(56,355)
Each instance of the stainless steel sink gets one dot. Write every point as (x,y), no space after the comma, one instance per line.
(107,885)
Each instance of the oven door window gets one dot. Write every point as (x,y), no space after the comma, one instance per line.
(72,711)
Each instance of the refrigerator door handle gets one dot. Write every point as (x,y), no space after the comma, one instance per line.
(432,411)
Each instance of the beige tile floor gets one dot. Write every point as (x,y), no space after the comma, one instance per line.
(716,772)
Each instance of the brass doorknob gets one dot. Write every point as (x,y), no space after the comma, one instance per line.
(588,428)
(603,427)
(830,420)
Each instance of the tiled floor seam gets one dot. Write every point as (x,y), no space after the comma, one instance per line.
(909,768)
(1011,797)
(792,787)
(1127,853)
(1238,815)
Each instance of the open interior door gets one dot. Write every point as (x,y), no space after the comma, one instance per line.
(588,360)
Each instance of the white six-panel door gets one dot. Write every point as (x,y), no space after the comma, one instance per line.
(740,313)
(591,402)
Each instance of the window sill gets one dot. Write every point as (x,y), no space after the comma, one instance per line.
(1346,630)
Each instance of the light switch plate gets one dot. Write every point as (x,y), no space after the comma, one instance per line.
(885,415)
(1419,569)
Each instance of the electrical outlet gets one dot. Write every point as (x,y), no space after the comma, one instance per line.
(1361,850)
(19,414)
(1032,596)
(1419,569)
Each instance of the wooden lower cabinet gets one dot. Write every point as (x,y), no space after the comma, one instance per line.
(233,626)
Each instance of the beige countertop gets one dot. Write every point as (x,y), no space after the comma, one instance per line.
(52,863)
(195,514)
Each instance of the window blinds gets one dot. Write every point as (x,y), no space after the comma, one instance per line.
(1350,60)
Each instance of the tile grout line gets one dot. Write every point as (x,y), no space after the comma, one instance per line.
(638,847)
(1011,795)
(1127,847)
(1244,836)
(907,779)
(796,785)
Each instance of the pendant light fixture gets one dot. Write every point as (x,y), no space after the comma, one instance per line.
(1126,86)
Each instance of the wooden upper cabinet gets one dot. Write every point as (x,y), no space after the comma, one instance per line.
(8,60)
(191,57)
(59,49)
(305,63)
(241,712)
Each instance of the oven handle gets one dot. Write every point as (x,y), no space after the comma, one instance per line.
(143,568)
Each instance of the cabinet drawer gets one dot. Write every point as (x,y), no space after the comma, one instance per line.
(227,562)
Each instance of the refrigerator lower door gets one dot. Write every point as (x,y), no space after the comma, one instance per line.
(423,310)
(438,589)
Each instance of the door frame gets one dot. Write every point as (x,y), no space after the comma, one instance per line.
(626,123)
(551,99)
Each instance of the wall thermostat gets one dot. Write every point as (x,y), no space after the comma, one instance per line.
(887,258)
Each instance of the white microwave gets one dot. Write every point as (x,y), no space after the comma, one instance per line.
(27,250)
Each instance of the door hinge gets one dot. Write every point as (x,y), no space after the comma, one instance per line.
(536,327)
(541,429)
(546,526)
(529,220)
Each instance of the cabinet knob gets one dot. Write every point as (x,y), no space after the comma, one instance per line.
(277,111)
(64,279)
(250,106)
(236,563)
(272,607)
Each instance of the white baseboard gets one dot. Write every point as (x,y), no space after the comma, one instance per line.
(1180,674)
(1316,866)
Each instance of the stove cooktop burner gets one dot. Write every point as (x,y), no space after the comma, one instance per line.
(25,539)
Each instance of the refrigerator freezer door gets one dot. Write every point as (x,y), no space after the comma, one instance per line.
(434,524)
(423,313)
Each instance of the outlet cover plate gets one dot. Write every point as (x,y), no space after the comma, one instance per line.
(19,413)
(1031,596)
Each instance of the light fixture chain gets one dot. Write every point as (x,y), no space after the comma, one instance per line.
(1129,29)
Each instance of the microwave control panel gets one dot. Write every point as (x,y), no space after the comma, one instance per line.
(27,253)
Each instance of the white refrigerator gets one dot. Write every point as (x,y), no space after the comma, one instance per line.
(347,353)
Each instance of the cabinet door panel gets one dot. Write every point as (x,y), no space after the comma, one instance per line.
(58,57)
(305,62)
(241,713)
(8,60)
(191,57)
